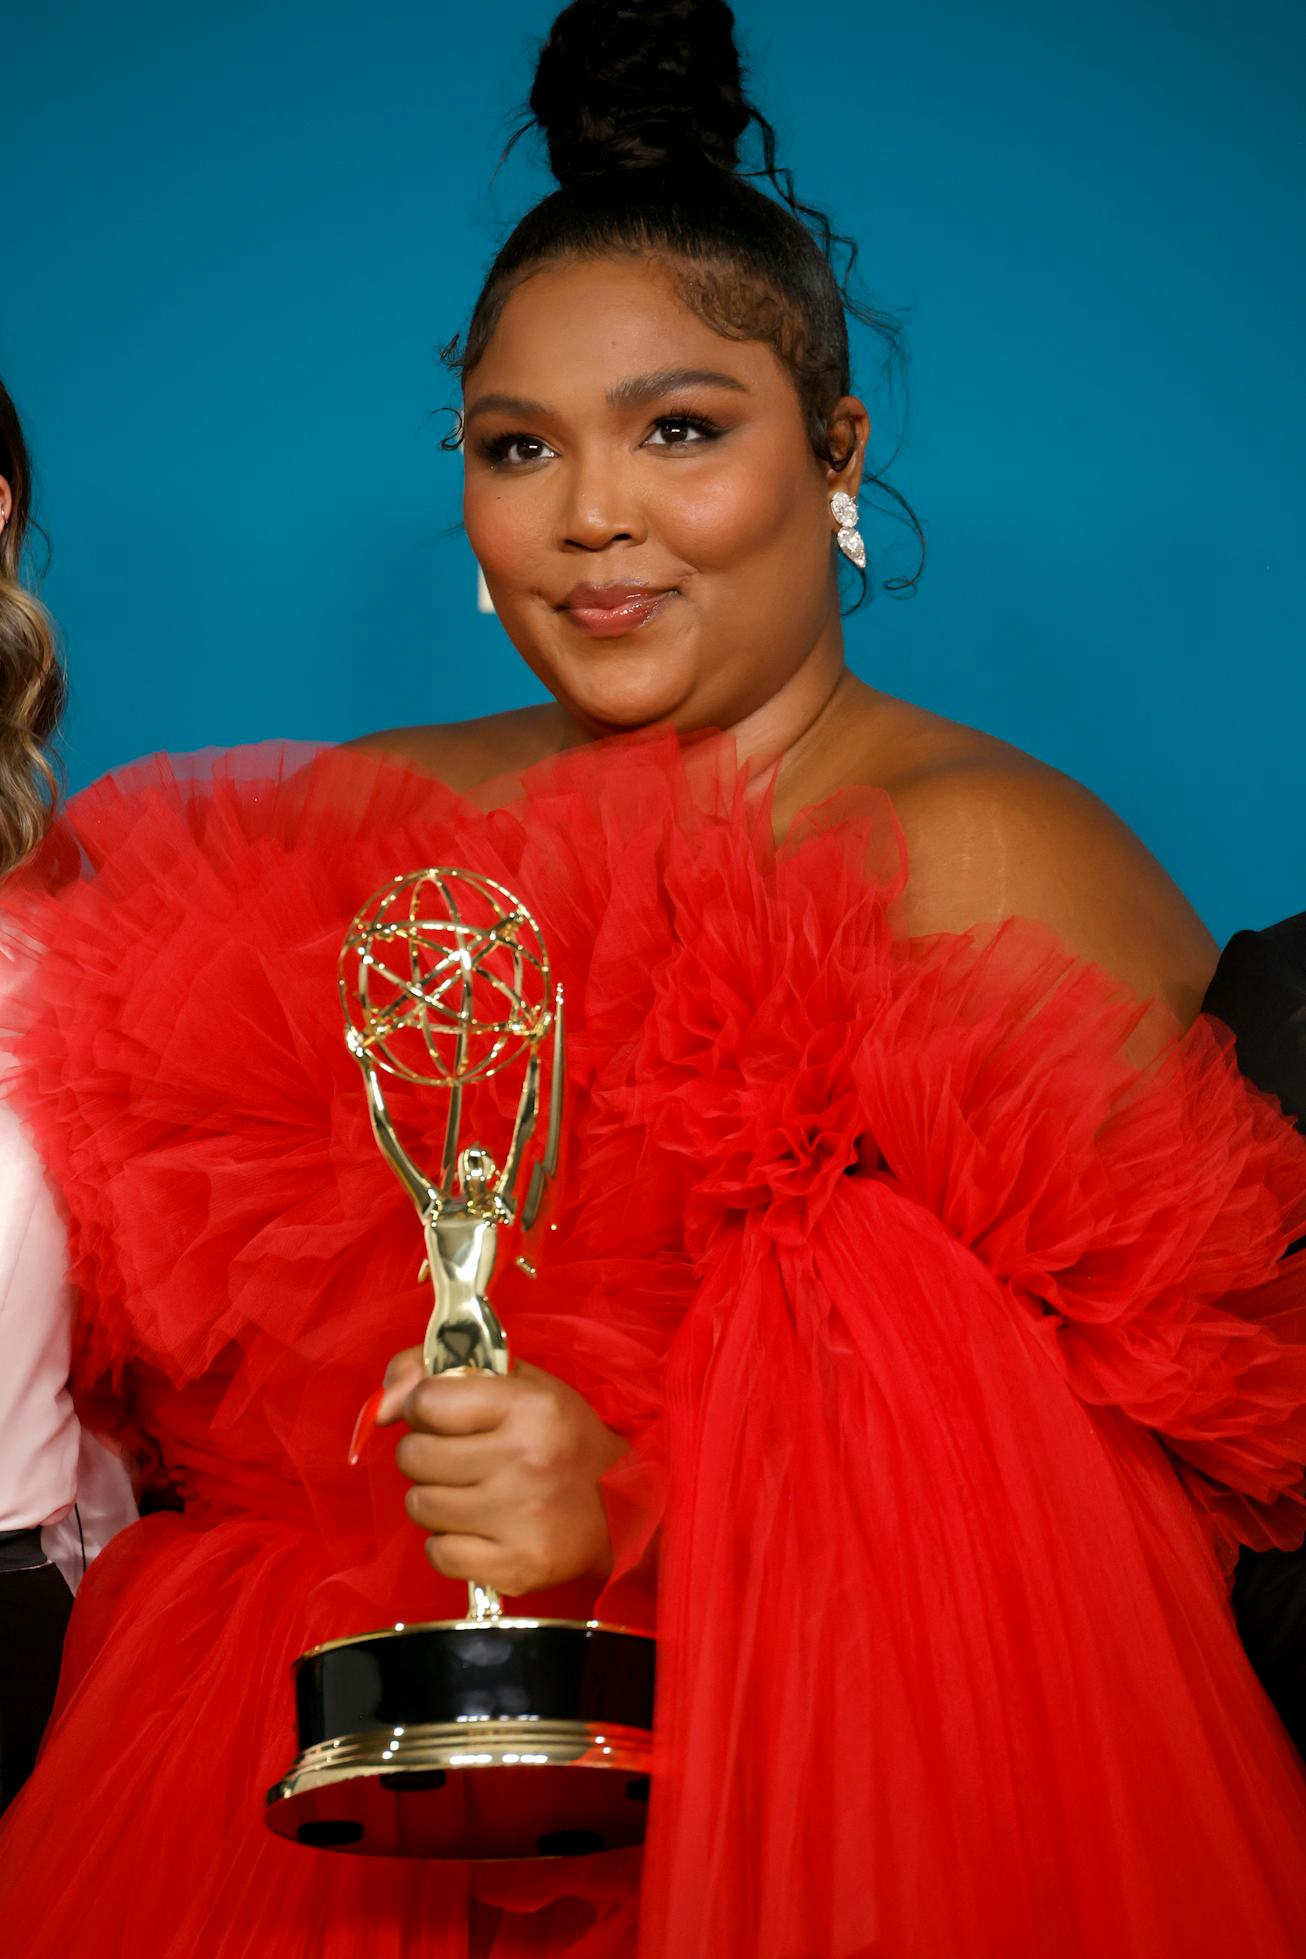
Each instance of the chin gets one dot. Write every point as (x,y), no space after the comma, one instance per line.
(628,721)
(649,678)
(623,709)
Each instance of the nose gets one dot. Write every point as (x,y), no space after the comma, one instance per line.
(599,504)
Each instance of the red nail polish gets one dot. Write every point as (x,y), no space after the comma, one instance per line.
(363,1427)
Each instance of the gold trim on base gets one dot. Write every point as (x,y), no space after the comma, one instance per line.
(468,1745)
(404,1629)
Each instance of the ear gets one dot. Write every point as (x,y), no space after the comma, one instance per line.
(6,502)
(850,435)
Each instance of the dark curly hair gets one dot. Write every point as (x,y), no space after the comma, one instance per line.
(31,672)
(643,107)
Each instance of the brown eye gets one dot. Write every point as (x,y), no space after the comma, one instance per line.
(515,449)
(682,431)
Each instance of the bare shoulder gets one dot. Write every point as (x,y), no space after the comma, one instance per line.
(465,754)
(993,834)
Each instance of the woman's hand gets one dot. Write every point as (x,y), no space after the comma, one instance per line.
(505,1474)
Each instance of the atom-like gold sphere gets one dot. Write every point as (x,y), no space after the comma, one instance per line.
(444,978)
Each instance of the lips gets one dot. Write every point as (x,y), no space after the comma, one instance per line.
(604,611)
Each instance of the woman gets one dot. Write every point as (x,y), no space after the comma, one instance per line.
(914,1352)
(31,679)
(60,1495)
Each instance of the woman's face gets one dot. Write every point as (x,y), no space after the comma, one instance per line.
(642,496)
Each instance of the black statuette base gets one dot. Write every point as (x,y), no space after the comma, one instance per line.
(502,1739)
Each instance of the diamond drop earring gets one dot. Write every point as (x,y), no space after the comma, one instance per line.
(843,509)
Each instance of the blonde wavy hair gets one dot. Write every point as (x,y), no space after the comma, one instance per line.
(32,687)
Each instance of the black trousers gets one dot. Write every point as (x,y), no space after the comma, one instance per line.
(34,1607)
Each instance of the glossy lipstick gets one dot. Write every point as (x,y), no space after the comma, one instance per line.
(605,611)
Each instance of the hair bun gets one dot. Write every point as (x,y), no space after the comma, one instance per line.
(625,84)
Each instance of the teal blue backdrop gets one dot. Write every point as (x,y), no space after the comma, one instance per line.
(234,237)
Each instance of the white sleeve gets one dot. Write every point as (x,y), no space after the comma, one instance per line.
(104,1504)
(47,1464)
(38,1428)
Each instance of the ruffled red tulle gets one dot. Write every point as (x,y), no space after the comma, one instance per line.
(956,1354)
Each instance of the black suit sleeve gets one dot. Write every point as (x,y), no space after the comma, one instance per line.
(1259,991)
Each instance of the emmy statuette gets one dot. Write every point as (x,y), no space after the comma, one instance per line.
(489,1736)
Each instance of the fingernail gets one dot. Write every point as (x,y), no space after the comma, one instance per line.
(363,1427)
(392,1400)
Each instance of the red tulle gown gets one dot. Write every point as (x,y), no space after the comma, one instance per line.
(957,1357)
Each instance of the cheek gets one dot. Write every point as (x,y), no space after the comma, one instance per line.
(732,512)
(508,531)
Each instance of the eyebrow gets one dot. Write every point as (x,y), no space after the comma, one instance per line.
(641,389)
(637,391)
